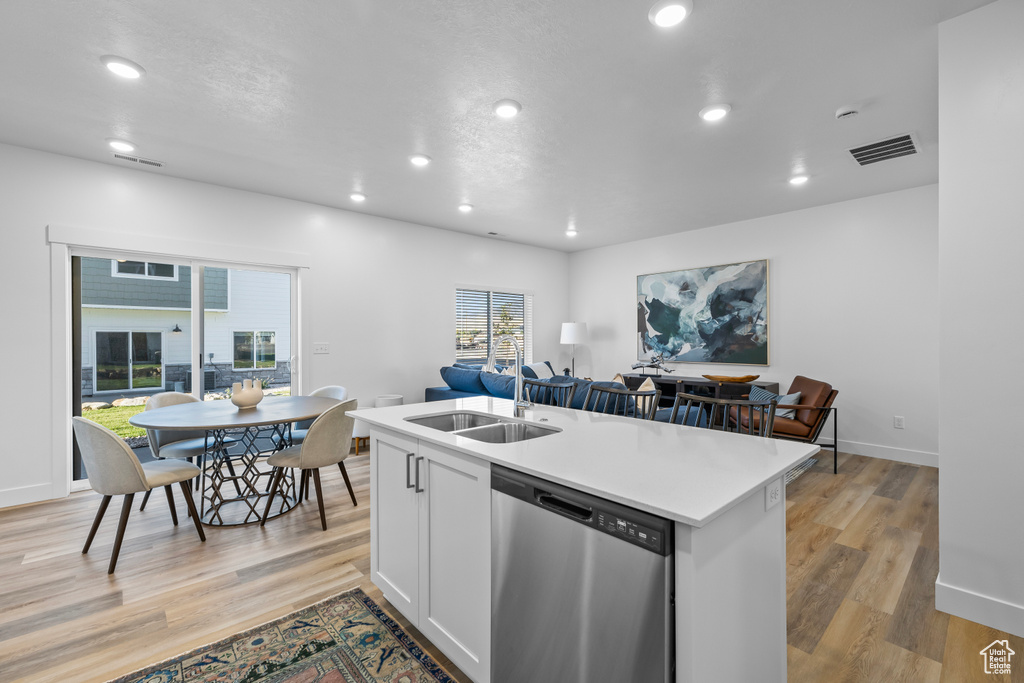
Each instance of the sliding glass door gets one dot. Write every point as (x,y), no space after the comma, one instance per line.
(126,361)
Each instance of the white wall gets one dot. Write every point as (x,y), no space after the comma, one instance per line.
(853,302)
(380,292)
(981,106)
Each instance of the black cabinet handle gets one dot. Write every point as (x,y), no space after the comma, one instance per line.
(418,489)
(408,476)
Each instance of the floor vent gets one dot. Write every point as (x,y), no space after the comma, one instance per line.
(139,160)
(899,146)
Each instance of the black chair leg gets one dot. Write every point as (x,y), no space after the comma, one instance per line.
(273,491)
(170,503)
(96,522)
(187,492)
(348,483)
(319,498)
(145,499)
(122,523)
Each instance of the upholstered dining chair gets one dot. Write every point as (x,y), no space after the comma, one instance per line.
(299,429)
(747,417)
(625,402)
(546,393)
(180,444)
(114,470)
(327,442)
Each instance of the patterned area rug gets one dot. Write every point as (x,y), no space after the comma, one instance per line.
(800,469)
(344,639)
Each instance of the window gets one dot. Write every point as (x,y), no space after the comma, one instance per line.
(146,269)
(255,350)
(481,315)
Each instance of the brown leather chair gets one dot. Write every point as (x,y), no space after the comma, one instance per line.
(816,399)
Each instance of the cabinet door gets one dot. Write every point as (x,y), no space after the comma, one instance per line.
(394,525)
(455,559)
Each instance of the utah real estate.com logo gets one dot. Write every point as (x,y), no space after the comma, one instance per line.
(997,657)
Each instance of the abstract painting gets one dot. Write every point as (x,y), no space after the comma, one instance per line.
(717,314)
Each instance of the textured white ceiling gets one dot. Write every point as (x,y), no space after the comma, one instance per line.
(314,100)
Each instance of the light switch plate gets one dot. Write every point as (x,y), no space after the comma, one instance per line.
(321,347)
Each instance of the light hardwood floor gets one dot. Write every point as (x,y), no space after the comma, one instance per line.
(862,553)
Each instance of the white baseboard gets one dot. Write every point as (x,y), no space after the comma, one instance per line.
(981,609)
(26,494)
(911,457)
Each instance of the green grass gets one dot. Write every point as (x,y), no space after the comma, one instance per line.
(116,420)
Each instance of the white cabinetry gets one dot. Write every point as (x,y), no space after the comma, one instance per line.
(431,543)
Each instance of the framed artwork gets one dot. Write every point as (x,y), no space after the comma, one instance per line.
(717,314)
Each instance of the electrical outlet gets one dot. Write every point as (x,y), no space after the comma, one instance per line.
(897,422)
(321,347)
(772,494)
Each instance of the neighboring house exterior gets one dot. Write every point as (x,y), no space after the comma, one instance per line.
(136,326)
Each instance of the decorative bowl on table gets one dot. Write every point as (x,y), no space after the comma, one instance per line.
(246,394)
(726,378)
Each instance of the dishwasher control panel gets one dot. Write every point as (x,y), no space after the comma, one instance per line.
(636,527)
(631,531)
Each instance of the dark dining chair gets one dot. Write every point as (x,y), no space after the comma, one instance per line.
(625,402)
(548,394)
(729,415)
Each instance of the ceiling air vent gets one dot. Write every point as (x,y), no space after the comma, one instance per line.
(139,160)
(899,146)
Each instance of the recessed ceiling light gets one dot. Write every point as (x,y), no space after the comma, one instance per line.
(465,208)
(715,112)
(357,197)
(419,159)
(120,145)
(668,13)
(507,109)
(798,180)
(125,68)
(570,231)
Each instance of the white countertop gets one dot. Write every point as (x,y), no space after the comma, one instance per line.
(685,474)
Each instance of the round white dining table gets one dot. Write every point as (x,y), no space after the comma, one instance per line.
(235,477)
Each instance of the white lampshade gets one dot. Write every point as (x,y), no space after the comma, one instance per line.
(574,333)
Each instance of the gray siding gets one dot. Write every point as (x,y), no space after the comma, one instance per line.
(100,288)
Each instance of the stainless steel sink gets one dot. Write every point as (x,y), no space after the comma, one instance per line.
(507,432)
(450,422)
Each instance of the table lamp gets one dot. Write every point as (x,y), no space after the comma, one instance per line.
(574,333)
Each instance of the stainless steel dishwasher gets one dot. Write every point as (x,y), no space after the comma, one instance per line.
(581,586)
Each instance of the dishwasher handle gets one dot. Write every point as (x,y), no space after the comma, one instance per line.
(566,507)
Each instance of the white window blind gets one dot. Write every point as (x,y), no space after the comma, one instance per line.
(482,315)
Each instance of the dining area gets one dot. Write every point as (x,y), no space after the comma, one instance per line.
(234,464)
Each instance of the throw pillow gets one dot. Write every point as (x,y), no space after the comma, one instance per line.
(501,386)
(509,371)
(539,370)
(759,394)
(463,379)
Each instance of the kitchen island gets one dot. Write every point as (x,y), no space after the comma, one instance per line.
(431,524)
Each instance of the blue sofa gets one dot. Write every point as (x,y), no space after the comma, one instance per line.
(467,380)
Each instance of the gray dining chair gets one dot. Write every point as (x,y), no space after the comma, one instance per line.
(180,444)
(300,428)
(114,470)
(327,442)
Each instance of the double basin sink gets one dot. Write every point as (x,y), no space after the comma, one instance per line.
(486,428)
